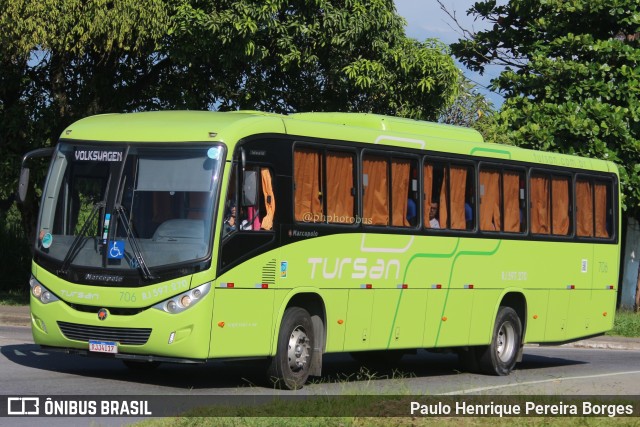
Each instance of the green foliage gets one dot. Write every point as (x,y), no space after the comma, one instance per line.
(626,324)
(15,262)
(66,59)
(288,56)
(572,79)
(472,109)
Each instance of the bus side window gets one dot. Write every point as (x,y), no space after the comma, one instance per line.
(307,181)
(268,200)
(375,182)
(593,208)
(490,200)
(230,205)
(339,192)
(433,177)
(540,212)
(560,207)
(257,211)
(401,193)
(550,204)
(324,186)
(500,197)
(457,198)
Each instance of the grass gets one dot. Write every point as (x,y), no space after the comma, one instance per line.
(14,297)
(626,324)
(376,410)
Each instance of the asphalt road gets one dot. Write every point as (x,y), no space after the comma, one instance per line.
(556,371)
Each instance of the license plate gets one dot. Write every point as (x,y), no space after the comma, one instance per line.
(103,346)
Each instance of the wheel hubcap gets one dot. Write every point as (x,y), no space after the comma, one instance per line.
(299,349)
(506,345)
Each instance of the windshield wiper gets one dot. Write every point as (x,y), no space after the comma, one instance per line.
(75,245)
(133,242)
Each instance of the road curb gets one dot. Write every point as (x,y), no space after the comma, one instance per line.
(15,320)
(15,315)
(606,344)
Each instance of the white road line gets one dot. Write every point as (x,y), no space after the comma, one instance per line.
(551,380)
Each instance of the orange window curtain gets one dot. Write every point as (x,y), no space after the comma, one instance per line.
(458,176)
(376,193)
(340,188)
(308,202)
(428,192)
(400,170)
(584,204)
(601,210)
(540,215)
(560,194)
(443,210)
(269,199)
(511,200)
(490,201)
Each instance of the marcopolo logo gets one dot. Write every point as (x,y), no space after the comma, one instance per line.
(23,406)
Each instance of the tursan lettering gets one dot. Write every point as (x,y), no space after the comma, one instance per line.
(98,156)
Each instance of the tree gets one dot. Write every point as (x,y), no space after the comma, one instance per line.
(299,55)
(571,79)
(472,109)
(65,59)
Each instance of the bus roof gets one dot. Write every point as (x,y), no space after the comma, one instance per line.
(231,127)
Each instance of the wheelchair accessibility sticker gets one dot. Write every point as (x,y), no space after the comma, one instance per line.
(116,249)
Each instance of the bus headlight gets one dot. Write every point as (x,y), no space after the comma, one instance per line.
(185,300)
(40,292)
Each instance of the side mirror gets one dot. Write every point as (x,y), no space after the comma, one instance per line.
(249,188)
(23,183)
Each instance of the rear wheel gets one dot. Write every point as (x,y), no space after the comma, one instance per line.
(289,368)
(499,357)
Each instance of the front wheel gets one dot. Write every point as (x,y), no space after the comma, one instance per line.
(499,357)
(289,368)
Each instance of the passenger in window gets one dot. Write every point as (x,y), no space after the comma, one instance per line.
(230,218)
(468,215)
(433,221)
(412,211)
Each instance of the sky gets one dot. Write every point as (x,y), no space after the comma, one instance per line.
(425,19)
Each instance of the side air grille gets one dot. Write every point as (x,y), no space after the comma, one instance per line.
(130,336)
(269,273)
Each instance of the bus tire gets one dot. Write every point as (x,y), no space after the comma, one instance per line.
(500,356)
(289,368)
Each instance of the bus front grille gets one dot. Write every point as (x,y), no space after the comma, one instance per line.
(130,336)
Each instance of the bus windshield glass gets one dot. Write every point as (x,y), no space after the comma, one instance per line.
(128,207)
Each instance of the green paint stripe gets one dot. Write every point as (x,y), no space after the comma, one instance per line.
(404,278)
(491,150)
(446,297)
(454,253)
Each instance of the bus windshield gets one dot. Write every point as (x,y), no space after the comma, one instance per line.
(128,207)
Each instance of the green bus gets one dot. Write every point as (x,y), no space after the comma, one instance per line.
(191,236)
